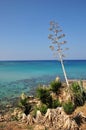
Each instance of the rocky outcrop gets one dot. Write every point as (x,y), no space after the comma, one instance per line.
(57,119)
(38,116)
(80,118)
(5,117)
(39,127)
(54,119)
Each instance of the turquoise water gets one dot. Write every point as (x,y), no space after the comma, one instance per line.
(24,76)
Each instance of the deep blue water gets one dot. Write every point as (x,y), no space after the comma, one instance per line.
(24,76)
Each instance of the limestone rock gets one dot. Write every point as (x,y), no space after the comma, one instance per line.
(23,96)
(1,118)
(80,118)
(19,115)
(15,113)
(38,116)
(39,127)
(7,117)
(57,119)
(24,117)
(30,119)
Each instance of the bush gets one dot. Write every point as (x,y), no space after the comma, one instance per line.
(44,95)
(43,109)
(24,104)
(68,107)
(78,93)
(55,85)
(55,103)
(76,88)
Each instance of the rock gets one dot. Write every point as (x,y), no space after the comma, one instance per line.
(38,116)
(39,127)
(33,101)
(66,96)
(7,117)
(1,118)
(19,115)
(58,119)
(15,113)
(74,126)
(9,106)
(54,96)
(30,119)
(66,124)
(24,118)
(48,115)
(31,97)
(80,118)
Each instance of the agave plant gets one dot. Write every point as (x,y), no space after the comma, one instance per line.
(57,43)
(79,93)
(24,104)
(44,95)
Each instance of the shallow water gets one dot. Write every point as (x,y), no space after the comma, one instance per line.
(24,76)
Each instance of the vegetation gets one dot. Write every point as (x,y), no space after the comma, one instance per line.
(24,104)
(43,109)
(55,85)
(57,44)
(56,103)
(44,95)
(68,107)
(79,94)
(48,101)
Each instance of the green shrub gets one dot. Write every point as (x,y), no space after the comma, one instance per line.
(56,103)
(22,100)
(55,86)
(24,104)
(43,109)
(75,87)
(34,111)
(44,95)
(68,107)
(79,94)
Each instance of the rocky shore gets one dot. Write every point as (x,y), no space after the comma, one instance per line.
(54,119)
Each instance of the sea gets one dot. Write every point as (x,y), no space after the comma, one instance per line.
(17,77)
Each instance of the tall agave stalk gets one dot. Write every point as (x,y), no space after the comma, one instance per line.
(57,44)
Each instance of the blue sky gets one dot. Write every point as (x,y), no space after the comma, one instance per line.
(24,28)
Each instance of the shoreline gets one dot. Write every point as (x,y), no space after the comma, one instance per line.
(13,102)
(17,115)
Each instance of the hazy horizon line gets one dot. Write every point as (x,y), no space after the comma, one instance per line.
(42,60)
